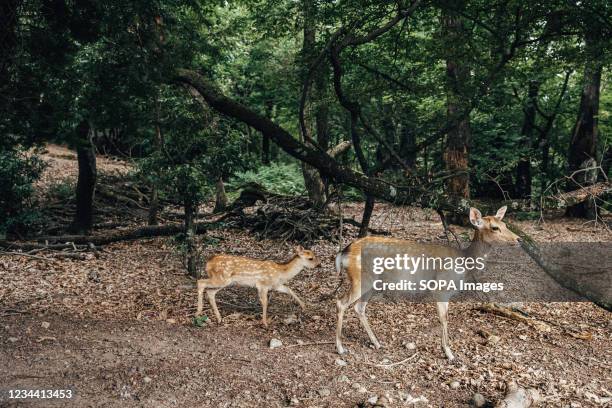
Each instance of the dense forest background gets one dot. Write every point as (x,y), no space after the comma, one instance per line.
(430,101)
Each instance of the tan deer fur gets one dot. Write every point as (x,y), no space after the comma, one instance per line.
(265,275)
(489,230)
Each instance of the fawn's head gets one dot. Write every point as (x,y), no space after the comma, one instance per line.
(492,229)
(308,257)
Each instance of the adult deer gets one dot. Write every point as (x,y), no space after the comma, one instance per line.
(489,230)
(224,270)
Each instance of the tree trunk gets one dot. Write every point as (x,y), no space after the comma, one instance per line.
(86,183)
(220,196)
(583,145)
(154,197)
(456,150)
(190,236)
(523,168)
(367,215)
(312,178)
(265,150)
(408,149)
(8,24)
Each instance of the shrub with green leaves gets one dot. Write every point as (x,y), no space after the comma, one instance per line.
(280,178)
(18,172)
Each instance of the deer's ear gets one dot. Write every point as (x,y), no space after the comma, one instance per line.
(476,218)
(501,212)
(299,249)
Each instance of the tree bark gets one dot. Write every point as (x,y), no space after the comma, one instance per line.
(265,150)
(456,150)
(86,183)
(190,234)
(312,178)
(523,168)
(220,196)
(583,145)
(154,197)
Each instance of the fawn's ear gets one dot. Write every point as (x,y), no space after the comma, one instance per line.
(299,249)
(501,212)
(476,218)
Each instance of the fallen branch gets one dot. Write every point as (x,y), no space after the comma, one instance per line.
(511,314)
(518,397)
(69,241)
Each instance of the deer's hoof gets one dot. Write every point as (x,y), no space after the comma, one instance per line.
(341,350)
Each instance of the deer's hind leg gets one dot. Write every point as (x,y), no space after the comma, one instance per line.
(360,309)
(341,305)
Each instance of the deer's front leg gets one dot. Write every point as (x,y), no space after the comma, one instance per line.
(443,316)
(263,298)
(287,290)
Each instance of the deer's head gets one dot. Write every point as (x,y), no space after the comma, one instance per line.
(491,229)
(309,259)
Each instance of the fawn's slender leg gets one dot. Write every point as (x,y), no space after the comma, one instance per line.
(443,316)
(263,298)
(201,286)
(287,290)
(341,305)
(360,309)
(213,303)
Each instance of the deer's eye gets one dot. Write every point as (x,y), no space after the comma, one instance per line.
(495,228)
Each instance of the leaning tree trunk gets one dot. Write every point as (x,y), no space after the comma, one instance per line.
(583,145)
(456,150)
(523,168)
(86,183)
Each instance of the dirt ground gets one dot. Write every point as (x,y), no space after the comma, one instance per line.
(117,329)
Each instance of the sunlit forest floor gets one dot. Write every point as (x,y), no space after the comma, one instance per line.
(117,328)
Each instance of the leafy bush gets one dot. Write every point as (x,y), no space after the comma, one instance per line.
(62,190)
(18,172)
(280,178)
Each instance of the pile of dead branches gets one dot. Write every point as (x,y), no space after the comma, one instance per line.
(288,219)
(285,218)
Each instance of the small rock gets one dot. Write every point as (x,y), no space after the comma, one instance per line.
(324,392)
(478,400)
(12,339)
(522,337)
(275,343)
(454,385)
(294,401)
(147,379)
(340,362)
(291,319)
(359,388)
(373,399)
(253,346)
(410,346)
(45,325)
(342,378)
(493,339)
